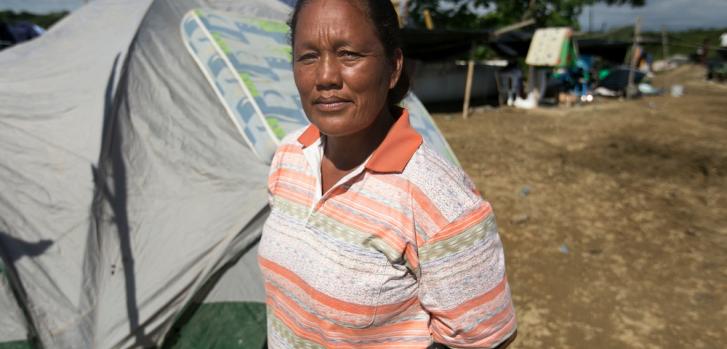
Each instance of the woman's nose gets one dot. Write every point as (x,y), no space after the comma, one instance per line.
(328,74)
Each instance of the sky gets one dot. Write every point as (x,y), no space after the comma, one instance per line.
(674,14)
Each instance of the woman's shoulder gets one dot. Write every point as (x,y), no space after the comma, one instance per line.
(288,147)
(290,142)
(443,183)
(427,164)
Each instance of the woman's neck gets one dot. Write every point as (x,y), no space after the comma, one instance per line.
(348,152)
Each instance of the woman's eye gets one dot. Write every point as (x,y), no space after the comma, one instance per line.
(306,57)
(349,54)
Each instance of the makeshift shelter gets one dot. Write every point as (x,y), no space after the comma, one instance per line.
(131,196)
(517,43)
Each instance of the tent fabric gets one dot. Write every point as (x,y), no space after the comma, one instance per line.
(247,60)
(12,323)
(88,237)
(547,46)
(52,116)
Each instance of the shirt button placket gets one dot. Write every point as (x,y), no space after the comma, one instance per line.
(317,206)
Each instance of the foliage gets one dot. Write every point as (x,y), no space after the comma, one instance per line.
(45,21)
(680,42)
(480,14)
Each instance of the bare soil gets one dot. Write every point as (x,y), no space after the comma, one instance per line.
(613,215)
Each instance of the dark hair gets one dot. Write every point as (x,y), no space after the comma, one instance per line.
(382,15)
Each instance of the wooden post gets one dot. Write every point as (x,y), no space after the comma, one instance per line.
(664,43)
(404,12)
(428,19)
(468,83)
(631,89)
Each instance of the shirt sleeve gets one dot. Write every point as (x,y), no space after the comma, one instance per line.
(463,283)
(273,175)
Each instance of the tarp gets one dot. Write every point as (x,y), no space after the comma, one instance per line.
(618,78)
(612,51)
(440,44)
(130,202)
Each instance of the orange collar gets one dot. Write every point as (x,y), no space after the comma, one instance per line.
(393,153)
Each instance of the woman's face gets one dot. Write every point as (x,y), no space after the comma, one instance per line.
(340,67)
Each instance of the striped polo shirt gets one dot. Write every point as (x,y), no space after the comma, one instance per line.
(400,253)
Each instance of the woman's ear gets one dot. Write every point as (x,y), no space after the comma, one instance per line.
(398,66)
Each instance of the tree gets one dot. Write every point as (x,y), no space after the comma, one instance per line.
(45,20)
(480,14)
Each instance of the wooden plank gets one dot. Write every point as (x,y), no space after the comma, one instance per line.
(512,27)
(468,83)
(631,90)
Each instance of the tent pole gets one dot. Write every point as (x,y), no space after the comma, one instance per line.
(664,43)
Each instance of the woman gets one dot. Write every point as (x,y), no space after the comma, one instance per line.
(373,239)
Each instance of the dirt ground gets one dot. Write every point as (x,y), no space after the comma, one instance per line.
(613,215)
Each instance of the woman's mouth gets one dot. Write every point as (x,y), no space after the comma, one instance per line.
(330,104)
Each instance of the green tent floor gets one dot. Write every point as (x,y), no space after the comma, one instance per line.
(208,326)
(220,325)
(16,345)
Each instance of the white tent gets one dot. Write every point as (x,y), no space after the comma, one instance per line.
(129,199)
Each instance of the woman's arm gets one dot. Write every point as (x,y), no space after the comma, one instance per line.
(463,283)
